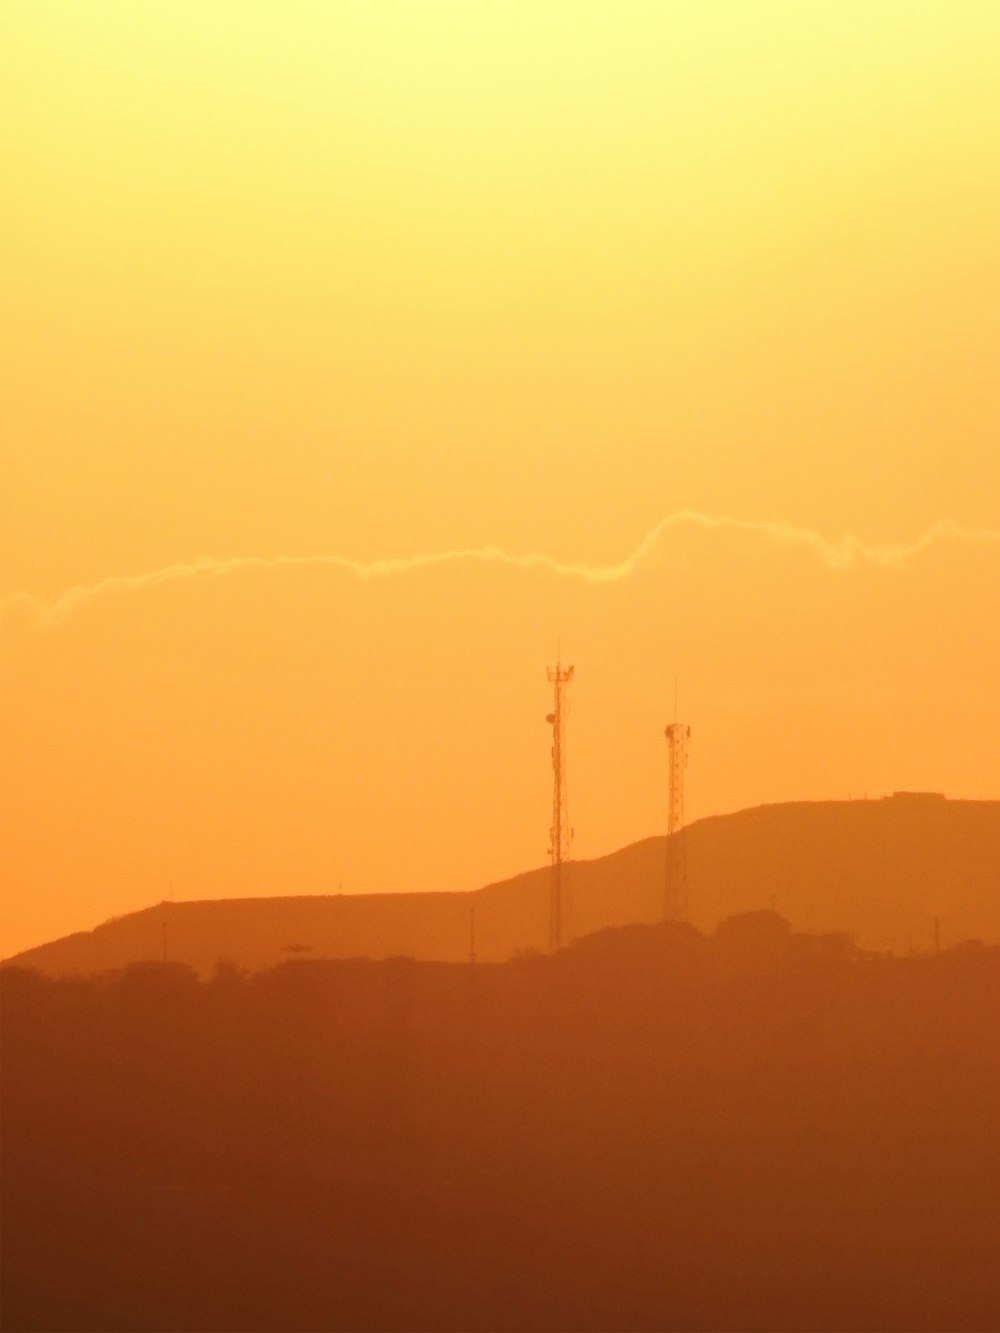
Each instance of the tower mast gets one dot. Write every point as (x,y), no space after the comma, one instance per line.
(675,905)
(560,834)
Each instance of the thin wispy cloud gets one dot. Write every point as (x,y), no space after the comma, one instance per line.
(841,555)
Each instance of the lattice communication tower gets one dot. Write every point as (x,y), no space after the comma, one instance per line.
(675,904)
(560,834)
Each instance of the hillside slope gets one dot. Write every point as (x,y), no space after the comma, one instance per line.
(882,870)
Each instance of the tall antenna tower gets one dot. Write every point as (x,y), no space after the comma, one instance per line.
(560,834)
(675,904)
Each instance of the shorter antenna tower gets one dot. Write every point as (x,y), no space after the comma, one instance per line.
(560,834)
(675,905)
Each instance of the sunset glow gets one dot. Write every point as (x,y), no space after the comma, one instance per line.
(356,355)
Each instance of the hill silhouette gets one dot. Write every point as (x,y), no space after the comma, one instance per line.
(880,869)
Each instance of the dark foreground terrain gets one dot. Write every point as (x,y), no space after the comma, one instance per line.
(653,1130)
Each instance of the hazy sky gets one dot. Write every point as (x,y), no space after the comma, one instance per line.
(373,281)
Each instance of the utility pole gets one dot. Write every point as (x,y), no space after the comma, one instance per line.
(560,834)
(675,905)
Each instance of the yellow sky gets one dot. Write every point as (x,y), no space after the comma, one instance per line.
(375,280)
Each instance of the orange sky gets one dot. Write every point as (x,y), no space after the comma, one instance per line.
(377,281)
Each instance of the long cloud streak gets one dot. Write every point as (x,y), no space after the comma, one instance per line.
(847,553)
